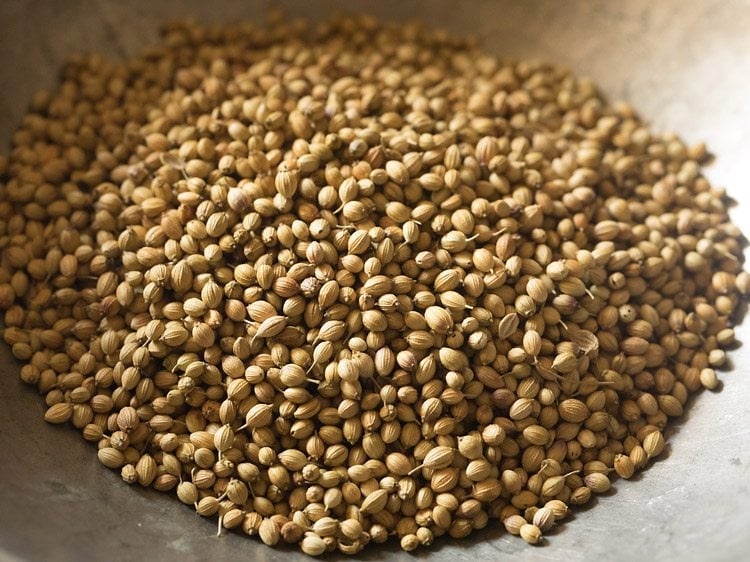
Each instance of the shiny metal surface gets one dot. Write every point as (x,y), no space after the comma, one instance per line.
(685,65)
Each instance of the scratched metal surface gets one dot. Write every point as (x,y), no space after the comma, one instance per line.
(684,64)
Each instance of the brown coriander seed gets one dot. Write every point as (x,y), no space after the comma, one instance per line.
(313,545)
(59,413)
(531,533)
(624,466)
(544,519)
(654,444)
(597,482)
(514,523)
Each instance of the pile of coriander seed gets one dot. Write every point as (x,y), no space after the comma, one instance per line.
(336,285)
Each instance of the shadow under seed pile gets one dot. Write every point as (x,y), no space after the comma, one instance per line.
(365,281)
